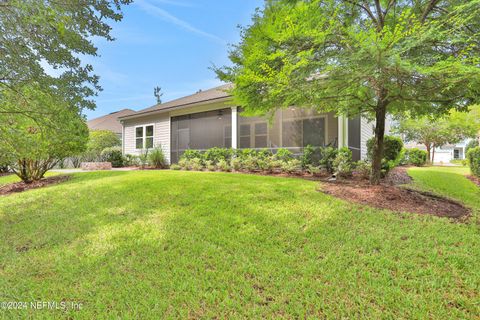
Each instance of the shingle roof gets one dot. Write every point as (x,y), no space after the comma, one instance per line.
(213,94)
(110,121)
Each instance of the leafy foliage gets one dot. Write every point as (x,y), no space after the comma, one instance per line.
(156,158)
(98,141)
(473,156)
(471,144)
(53,33)
(113,155)
(416,157)
(352,57)
(34,145)
(436,132)
(343,165)
(328,156)
(392,148)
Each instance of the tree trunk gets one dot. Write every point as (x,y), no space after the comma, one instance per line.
(428,146)
(377,154)
(433,153)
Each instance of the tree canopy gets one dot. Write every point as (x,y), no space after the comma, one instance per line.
(369,57)
(32,146)
(432,132)
(38,37)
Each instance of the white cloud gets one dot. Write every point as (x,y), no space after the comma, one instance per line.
(168,17)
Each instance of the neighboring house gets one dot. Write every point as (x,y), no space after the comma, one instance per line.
(446,153)
(110,122)
(205,120)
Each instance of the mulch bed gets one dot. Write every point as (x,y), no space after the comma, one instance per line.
(474,180)
(388,195)
(22,186)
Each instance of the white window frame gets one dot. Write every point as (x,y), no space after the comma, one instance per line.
(144,136)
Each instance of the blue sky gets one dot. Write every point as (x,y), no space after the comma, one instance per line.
(166,43)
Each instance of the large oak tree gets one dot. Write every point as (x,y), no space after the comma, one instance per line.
(368,57)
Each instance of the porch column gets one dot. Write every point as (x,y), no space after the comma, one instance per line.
(234,127)
(342,134)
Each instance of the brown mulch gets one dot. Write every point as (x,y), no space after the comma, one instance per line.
(474,179)
(388,195)
(22,186)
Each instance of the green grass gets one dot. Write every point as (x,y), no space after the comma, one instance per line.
(8,179)
(449,182)
(165,244)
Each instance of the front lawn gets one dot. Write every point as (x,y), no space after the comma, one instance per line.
(196,244)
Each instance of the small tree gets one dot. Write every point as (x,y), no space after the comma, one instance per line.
(34,145)
(98,140)
(434,133)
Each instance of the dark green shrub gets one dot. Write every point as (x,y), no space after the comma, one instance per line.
(343,164)
(328,155)
(284,155)
(392,148)
(156,158)
(99,140)
(473,156)
(472,144)
(364,169)
(416,157)
(217,154)
(113,155)
(264,154)
(191,154)
(307,156)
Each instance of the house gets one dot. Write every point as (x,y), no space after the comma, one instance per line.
(110,122)
(209,119)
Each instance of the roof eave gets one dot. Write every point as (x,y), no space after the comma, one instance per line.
(164,110)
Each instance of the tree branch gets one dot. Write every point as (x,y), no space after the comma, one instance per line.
(429,9)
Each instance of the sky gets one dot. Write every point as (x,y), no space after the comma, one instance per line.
(166,43)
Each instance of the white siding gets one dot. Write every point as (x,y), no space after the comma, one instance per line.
(366,132)
(161,133)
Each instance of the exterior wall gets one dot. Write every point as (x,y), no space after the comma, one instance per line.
(366,132)
(161,133)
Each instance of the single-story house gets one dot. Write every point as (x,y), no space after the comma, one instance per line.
(446,153)
(110,122)
(209,119)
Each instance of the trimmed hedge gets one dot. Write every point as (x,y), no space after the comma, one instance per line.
(473,156)
(392,147)
(113,155)
(416,157)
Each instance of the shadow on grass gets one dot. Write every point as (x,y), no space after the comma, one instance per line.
(205,245)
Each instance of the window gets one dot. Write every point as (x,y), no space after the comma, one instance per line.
(227,137)
(144,137)
(456,154)
(244,136)
(261,135)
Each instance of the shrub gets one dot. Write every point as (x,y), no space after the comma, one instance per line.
(342,164)
(209,165)
(217,154)
(143,158)
(328,156)
(196,164)
(364,169)
(473,156)
(245,153)
(175,167)
(130,160)
(250,163)
(313,170)
(265,164)
(292,166)
(392,146)
(191,154)
(113,155)
(284,155)
(184,164)
(156,158)
(223,165)
(236,163)
(472,144)
(99,140)
(276,164)
(416,157)
(307,156)
(264,154)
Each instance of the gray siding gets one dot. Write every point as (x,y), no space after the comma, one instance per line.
(161,133)
(366,132)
